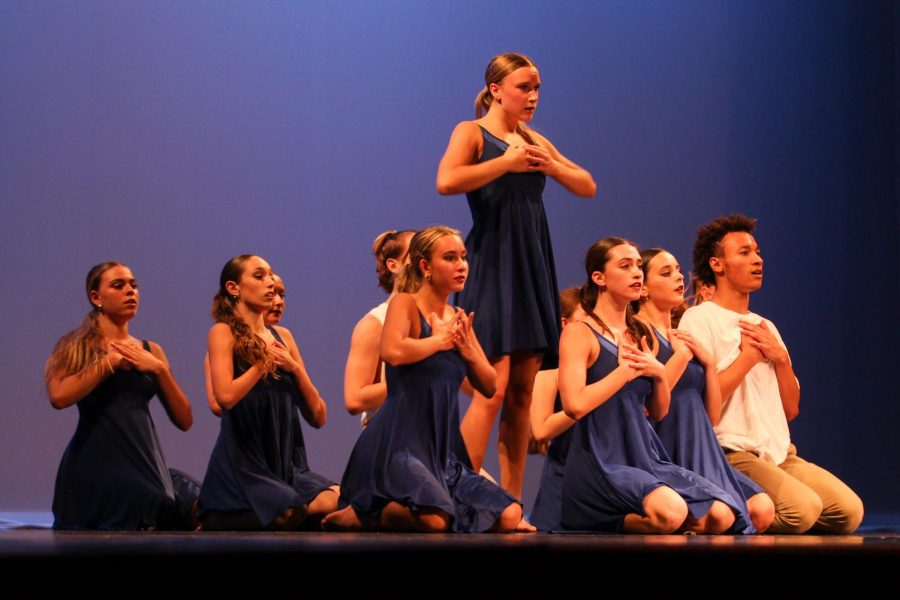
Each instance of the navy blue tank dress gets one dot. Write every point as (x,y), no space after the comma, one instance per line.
(113,475)
(413,453)
(547,510)
(616,460)
(689,439)
(258,468)
(512,277)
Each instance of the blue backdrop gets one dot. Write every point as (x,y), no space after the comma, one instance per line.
(172,136)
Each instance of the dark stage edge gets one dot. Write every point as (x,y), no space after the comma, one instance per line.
(312,565)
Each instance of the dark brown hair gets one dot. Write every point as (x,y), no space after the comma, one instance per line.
(249,347)
(709,242)
(595,260)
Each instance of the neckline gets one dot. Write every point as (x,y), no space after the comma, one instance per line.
(602,338)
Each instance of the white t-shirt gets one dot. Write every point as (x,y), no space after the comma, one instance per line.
(380,313)
(753,418)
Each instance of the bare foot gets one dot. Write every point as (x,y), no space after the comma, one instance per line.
(525,527)
(345,519)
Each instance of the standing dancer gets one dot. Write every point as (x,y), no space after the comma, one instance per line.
(258,476)
(364,386)
(409,470)
(687,430)
(501,165)
(617,476)
(113,474)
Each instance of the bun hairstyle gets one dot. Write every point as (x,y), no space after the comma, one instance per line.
(388,245)
(595,260)
(81,347)
(249,347)
(421,246)
(499,67)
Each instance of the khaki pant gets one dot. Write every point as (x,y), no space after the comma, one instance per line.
(806,496)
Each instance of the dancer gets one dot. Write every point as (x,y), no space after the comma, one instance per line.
(364,385)
(760,391)
(501,165)
(617,477)
(113,474)
(552,429)
(686,432)
(258,476)
(409,470)
(271,319)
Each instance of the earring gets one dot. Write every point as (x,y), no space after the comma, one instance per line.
(428,277)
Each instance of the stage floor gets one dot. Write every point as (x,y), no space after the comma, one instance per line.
(445,565)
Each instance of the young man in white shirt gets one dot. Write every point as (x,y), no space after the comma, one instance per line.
(760,390)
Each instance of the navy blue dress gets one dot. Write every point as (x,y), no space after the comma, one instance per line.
(616,460)
(413,453)
(258,468)
(690,441)
(113,474)
(512,277)
(546,514)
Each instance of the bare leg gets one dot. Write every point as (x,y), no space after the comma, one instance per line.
(718,520)
(396,517)
(665,510)
(479,419)
(515,426)
(762,511)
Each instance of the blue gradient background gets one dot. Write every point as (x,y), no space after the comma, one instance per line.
(174,135)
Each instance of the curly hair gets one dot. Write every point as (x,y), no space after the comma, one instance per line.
(709,242)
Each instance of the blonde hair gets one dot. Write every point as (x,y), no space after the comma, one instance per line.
(497,70)
(389,245)
(421,246)
(81,347)
(249,347)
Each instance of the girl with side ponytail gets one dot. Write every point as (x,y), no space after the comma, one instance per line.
(501,165)
(617,476)
(258,476)
(113,474)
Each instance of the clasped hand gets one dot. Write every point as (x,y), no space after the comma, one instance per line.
(639,360)
(455,332)
(124,355)
(527,158)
